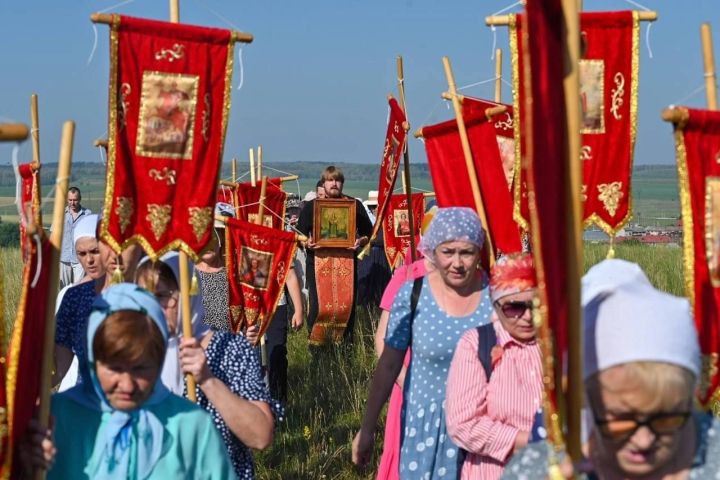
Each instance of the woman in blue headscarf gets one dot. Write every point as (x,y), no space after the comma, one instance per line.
(123,423)
(453,299)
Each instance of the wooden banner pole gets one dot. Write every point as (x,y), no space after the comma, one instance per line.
(259,221)
(709,64)
(35,134)
(573,216)
(259,163)
(13,132)
(53,265)
(407,184)
(253,178)
(233,168)
(288,178)
(504,20)
(498,75)
(469,163)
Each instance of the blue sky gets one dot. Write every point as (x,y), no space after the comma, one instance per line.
(317,75)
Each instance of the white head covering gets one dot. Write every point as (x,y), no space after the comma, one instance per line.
(310,196)
(225,210)
(626,320)
(85,227)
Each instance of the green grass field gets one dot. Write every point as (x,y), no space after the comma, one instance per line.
(327,391)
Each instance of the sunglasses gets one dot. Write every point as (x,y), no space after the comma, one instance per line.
(515,309)
(659,424)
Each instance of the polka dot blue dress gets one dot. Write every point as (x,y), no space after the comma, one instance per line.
(426,450)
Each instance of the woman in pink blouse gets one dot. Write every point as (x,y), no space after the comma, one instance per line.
(492,419)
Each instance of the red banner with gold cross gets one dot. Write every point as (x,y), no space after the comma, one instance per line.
(29,201)
(697,142)
(169,104)
(23,370)
(257,260)
(396,226)
(334,273)
(248,204)
(609,75)
(450,175)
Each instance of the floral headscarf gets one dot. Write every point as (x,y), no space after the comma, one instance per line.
(452,224)
(512,274)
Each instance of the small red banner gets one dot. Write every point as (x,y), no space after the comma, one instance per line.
(29,199)
(698,161)
(248,204)
(169,103)
(257,259)
(396,226)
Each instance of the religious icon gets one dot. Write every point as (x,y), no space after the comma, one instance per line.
(167,115)
(267,219)
(507,155)
(254,267)
(592,95)
(401,223)
(334,223)
(712,228)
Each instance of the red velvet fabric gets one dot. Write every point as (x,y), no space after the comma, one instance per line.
(274,202)
(701,138)
(451,181)
(169,102)
(397,231)
(29,197)
(257,259)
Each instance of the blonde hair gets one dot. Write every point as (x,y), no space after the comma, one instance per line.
(333,173)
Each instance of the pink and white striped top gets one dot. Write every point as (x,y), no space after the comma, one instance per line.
(483,418)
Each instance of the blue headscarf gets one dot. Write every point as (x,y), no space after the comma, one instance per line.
(449,225)
(122,432)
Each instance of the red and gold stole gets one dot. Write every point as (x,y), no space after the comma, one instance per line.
(397,228)
(450,176)
(609,75)
(169,104)
(248,203)
(395,138)
(29,197)
(697,144)
(257,259)
(334,273)
(26,346)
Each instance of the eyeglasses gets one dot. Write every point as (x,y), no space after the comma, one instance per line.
(514,310)
(622,429)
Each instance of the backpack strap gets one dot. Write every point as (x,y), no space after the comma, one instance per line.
(487,340)
(414,299)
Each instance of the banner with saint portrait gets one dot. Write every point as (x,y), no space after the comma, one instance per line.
(248,203)
(396,226)
(169,104)
(697,144)
(257,260)
(450,174)
(29,201)
(609,76)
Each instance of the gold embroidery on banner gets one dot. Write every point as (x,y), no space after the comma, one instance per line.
(506,124)
(519,183)
(159,217)
(586,152)
(708,371)
(206,117)
(687,215)
(583,195)
(235,316)
(712,228)
(167,115)
(251,316)
(175,53)
(617,94)
(250,297)
(125,91)
(280,272)
(610,195)
(200,219)
(124,211)
(592,96)
(167,174)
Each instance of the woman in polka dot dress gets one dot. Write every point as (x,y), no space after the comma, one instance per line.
(453,299)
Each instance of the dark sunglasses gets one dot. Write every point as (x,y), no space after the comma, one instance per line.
(621,429)
(515,309)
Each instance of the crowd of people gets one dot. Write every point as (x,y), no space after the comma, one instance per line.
(458,360)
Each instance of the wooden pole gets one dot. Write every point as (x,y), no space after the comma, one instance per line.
(253,178)
(407,184)
(504,20)
(53,265)
(259,221)
(259,163)
(233,168)
(35,133)
(498,75)
(469,163)
(175,11)
(13,132)
(709,63)
(573,230)
(261,207)
(287,178)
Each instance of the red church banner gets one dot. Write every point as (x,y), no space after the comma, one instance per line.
(248,204)
(396,227)
(169,104)
(257,260)
(22,385)
(609,72)
(698,161)
(395,138)
(29,201)
(450,176)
